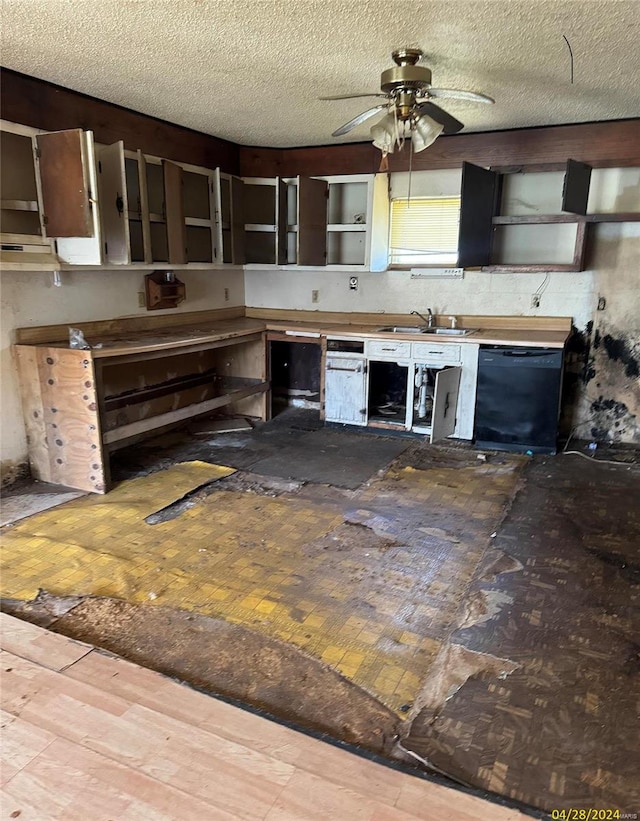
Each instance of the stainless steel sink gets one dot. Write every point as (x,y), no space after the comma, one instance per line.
(402,329)
(450,331)
(405,329)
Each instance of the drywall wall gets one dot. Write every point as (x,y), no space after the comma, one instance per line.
(397,292)
(29,299)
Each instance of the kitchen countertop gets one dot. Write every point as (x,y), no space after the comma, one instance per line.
(220,330)
(526,338)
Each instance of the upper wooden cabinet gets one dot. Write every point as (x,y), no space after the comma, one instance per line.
(312,221)
(496,239)
(266,221)
(49,194)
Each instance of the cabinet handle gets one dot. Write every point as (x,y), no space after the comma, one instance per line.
(346,370)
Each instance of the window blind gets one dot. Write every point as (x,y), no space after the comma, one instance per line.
(424,230)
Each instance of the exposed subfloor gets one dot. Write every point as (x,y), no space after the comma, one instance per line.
(481,614)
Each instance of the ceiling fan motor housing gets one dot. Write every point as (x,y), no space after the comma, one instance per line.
(405,79)
(400,77)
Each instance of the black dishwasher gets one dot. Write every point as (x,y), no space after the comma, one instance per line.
(518,399)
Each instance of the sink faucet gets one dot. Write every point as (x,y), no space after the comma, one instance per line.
(428,320)
(453,320)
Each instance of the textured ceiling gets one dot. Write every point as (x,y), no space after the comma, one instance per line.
(251,71)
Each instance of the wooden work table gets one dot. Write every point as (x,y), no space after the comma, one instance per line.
(80,405)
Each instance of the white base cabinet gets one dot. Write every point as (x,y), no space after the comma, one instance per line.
(428,387)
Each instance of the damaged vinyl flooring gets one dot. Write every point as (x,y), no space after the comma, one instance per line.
(396,596)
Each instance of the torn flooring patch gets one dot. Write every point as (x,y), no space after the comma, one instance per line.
(374,606)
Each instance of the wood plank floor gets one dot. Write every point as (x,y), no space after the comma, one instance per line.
(85,735)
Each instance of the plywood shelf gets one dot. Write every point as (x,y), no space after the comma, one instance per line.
(133,429)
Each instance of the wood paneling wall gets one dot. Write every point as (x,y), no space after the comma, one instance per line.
(615,143)
(40,104)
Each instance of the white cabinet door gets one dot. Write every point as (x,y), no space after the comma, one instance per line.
(445,402)
(114,206)
(345,390)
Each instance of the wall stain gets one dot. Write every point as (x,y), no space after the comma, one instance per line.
(619,351)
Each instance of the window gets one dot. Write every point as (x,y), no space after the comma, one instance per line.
(424,231)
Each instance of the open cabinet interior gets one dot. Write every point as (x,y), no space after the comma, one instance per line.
(387,394)
(136,233)
(20,212)
(156,205)
(197,208)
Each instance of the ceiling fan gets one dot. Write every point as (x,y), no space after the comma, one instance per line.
(408,95)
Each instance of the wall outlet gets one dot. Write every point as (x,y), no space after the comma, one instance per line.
(535,300)
(353,283)
(226,294)
(602,303)
(314,296)
(142,301)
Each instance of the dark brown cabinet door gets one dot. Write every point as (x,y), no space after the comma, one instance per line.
(66,198)
(174,213)
(478,205)
(575,194)
(312,221)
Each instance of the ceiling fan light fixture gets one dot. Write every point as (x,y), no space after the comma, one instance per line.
(384,134)
(425,132)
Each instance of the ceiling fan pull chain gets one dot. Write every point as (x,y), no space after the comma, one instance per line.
(410,170)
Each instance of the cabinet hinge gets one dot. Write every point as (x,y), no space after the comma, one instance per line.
(99,167)
(45,219)
(106,249)
(38,153)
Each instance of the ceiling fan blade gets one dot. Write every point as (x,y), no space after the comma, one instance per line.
(357,120)
(352,96)
(451,125)
(455,94)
